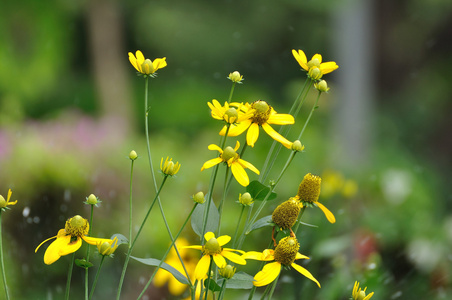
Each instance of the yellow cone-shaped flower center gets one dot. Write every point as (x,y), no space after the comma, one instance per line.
(77,226)
(286,214)
(314,63)
(228,153)
(2,202)
(262,112)
(309,189)
(147,67)
(287,250)
(212,247)
(231,115)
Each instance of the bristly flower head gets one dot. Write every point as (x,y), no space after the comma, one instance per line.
(5,203)
(230,157)
(309,192)
(284,255)
(359,294)
(146,66)
(286,214)
(235,77)
(315,68)
(169,167)
(262,116)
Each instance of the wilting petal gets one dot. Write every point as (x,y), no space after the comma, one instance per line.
(210,163)
(252,135)
(304,272)
(328,67)
(276,136)
(202,267)
(235,258)
(239,174)
(268,274)
(329,215)
(223,240)
(219,260)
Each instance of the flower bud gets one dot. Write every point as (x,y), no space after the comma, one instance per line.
(169,167)
(2,202)
(133,155)
(322,86)
(314,73)
(231,115)
(92,199)
(227,272)
(297,146)
(107,248)
(199,198)
(147,67)
(246,199)
(235,77)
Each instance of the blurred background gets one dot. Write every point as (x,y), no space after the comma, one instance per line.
(71,109)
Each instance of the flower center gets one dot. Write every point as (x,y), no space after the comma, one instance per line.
(228,153)
(309,188)
(77,226)
(262,112)
(286,214)
(212,247)
(314,63)
(231,115)
(287,250)
(147,67)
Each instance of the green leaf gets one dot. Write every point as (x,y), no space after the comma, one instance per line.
(82,263)
(155,262)
(121,239)
(213,286)
(263,222)
(197,218)
(258,191)
(240,280)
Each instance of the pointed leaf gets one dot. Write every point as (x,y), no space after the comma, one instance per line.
(263,222)
(213,286)
(155,262)
(121,239)
(259,191)
(197,218)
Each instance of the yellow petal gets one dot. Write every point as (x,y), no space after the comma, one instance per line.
(133,61)
(276,136)
(281,119)
(202,267)
(210,163)
(197,247)
(304,272)
(215,147)
(219,260)
(253,255)
(238,129)
(209,235)
(301,58)
(248,165)
(94,241)
(237,146)
(161,277)
(239,174)
(301,256)
(252,135)
(328,67)
(175,287)
(60,247)
(235,258)
(317,56)
(223,240)
(329,215)
(36,250)
(268,274)
(159,63)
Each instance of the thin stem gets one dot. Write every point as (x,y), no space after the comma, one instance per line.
(208,278)
(220,207)
(232,91)
(222,290)
(310,115)
(267,289)
(96,277)
(136,237)
(69,276)
(238,226)
(1,259)
(273,287)
(299,220)
(130,201)
(167,252)
(88,250)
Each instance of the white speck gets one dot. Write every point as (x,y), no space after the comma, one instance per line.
(26,211)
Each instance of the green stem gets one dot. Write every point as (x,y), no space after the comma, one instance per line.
(208,278)
(130,202)
(167,252)
(232,92)
(238,226)
(299,220)
(310,115)
(69,276)
(96,277)
(88,250)
(267,289)
(220,207)
(273,287)
(222,290)
(1,259)
(126,262)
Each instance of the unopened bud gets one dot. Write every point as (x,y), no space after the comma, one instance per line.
(133,155)
(297,146)
(199,198)
(92,199)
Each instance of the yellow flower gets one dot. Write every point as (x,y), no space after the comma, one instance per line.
(359,294)
(284,255)
(4,203)
(309,192)
(169,167)
(146,66)
(233,160)
(69,239)
(262,116)
(315,68)
(228,113)
(213,249)
(107,248)
(235,77)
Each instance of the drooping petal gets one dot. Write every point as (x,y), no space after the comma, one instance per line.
(276,136)
(301,256)
(235,258)
(202,267)
(281,119)
(238,129)
(197,247)
(60,247)
(329,215)
(219,260)
(210,163)
(209,235)
(234,250)
(252,135)
(304,272)
(301,58)
(328,67)
(268,274)
(253,255)
(248,165)
(237,146)
(239,174)
(223,240)
(94,241)
(133,61)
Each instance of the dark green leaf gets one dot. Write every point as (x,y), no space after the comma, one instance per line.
(213,286)
(155,262)
(259,191)
(263,222)
(198,216)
